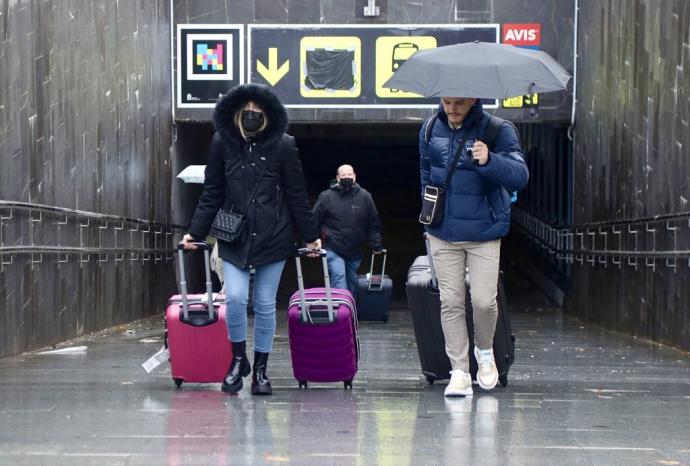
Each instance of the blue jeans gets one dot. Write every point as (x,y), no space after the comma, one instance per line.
(343,272)
(266,282)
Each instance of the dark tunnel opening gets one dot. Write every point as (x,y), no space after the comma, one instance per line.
(386,161)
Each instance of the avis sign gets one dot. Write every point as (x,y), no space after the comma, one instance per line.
(522,35)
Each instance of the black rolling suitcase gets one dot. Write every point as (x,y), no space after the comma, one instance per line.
(424,302)
(374,293)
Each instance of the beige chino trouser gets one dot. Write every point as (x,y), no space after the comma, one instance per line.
(482,261)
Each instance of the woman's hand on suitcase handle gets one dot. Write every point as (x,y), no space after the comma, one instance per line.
(188,243)
(313,249)
(314,246)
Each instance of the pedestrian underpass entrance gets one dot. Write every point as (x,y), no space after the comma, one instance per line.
(386,160)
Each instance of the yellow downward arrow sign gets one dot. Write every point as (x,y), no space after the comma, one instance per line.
(273,73)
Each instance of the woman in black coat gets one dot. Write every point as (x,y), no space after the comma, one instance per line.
(251,154)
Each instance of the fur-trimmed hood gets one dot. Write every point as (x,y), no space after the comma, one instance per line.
(232,102)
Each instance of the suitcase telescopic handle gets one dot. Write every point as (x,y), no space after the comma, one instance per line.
(302,252)
(384,253)
(183,282)
(434,280)
(198,244)
(306,252)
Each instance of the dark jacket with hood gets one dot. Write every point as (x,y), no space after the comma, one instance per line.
(477,203)
(346,217)
(268,161)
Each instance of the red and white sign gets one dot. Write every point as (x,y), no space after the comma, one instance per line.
(528,35)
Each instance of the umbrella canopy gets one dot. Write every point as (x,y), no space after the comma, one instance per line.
(193,174)
(479,69)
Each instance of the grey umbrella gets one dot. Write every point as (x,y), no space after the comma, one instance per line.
(479,69)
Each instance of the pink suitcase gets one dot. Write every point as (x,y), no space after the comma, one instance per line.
(196,334)
(322,330)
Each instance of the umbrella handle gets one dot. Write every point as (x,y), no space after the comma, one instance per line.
(533,108)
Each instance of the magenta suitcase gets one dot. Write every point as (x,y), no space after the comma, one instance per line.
(196,334)
(322,330)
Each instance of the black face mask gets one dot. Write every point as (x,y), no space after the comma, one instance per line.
(251,120)
(346,183)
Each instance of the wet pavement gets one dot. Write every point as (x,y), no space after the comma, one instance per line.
(576,395)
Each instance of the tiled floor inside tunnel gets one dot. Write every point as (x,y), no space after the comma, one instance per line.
(577,395)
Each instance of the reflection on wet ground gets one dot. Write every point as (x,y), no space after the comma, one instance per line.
(576,395)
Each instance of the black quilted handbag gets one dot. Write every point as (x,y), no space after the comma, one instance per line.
(228,226)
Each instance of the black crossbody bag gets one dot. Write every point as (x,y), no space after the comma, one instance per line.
(435,196)
(230,226)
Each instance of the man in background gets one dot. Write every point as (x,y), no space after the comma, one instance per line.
(346,216)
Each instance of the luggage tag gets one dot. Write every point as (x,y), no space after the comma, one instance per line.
(156,360)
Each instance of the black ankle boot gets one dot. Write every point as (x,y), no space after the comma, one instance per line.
(260,383)
(239,367)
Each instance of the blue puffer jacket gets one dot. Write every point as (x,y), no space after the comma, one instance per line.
(477,204)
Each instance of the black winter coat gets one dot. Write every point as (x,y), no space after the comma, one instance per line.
(235,166)
(346,219)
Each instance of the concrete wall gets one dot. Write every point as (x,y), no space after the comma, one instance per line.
(85,124)
(632,159)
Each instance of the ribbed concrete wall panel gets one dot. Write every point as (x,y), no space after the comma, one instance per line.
(632,150)
(85,123)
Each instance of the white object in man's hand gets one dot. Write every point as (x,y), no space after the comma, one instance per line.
(480,153)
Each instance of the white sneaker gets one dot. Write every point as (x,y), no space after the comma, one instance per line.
(460,384)
(487,374)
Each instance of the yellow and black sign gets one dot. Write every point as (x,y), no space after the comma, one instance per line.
(330,67)
(391,52)
(345,66)
(521,101)
(274,72)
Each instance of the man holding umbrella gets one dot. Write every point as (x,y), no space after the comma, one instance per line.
(472,181)
(476,214)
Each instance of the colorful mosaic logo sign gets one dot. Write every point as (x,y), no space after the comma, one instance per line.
(207,57)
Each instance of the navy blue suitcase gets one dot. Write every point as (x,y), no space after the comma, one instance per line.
(374,293)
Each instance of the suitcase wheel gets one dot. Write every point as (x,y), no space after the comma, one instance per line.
(178,382)
(302,384)
(503,379)
(347,384)
(431,379)
(385,319)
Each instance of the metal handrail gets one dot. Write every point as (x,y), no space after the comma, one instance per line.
(546,240)
(81,213)
(35,249)
(604,223)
